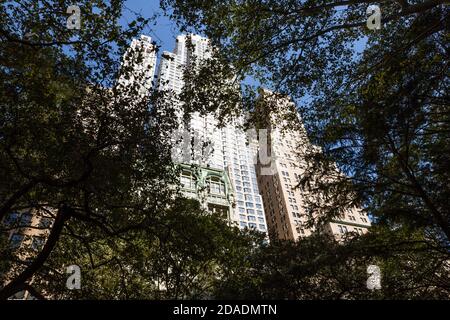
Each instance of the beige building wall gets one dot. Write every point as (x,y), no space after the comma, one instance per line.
(285,203)
(28,228)
(27,231)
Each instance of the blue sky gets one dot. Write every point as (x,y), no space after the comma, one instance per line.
(164,32)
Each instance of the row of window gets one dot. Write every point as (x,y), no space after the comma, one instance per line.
(17,239)
(291,164)
(15,219)
(252,225)
(215,184)
(344,229)
(250,211)
(247,197)
(299,230)
(352,218)
(249,204)
(243,217)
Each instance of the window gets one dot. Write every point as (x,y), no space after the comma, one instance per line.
(243,224)
(16,240)
(187,180)
(340,229)
(45,222)
(250,211)
(249,204)
(259,212)
(241,210)
(258,206)
(252,225)
(11,219)
(25,219)
(260,220)
(216,185)
(252,218)
(248,197)
(262,227)
(242,217)
(37,243)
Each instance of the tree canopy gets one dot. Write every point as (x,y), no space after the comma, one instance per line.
(93,154)
(374,100)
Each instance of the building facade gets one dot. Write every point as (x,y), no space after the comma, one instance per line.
(221,149)
(257,194)
(26,231)
(139,65)
(285,204)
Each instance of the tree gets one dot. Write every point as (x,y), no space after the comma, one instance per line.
(81,142)
(319,267)
(72,142)
(375,101)
(179,253)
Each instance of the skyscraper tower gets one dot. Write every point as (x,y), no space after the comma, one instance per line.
(227,169)
(139,63)
(286,206)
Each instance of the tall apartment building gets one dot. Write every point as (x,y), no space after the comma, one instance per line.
(227,156)
(26,231)
(140,58)
(285,205)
